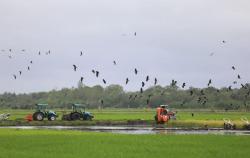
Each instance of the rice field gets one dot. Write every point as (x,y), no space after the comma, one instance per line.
(72,144)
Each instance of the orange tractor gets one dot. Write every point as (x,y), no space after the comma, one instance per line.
(163,114)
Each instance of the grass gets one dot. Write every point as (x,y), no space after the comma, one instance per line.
(73,144)
(121,116)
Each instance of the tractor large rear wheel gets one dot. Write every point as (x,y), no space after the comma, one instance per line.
(75,116)
(39,116)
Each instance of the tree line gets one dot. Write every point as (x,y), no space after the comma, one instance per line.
(114,96)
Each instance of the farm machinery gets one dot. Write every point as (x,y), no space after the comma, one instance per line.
(228,124)
(4,116)
(246,123)
(78,113)
(41,113)
(163,114)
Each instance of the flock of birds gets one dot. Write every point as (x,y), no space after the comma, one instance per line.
(202,98)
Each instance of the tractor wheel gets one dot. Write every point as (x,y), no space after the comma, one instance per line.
(39,116)
(75,116)
(52,118)
(34,116)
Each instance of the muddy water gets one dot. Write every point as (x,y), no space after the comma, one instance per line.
(137,130)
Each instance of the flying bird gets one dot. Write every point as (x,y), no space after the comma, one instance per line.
(14,77)
(147,78)
(75,67)
(81,53)
(39,53)
(183,85)
(233,67)
(141,90)
(223,41)
(209,82)
(135,34)
(102,102)
(104,81)
(239,77)
(20,72)
(93,71)
(155,81)
(147,101)
(142,84)
(114,62)
(31,62)
(127,80)
(235,82)
(136,71)
(81,79)
(191,92)
(28,68)
(97,73)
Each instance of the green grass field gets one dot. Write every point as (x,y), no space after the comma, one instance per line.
(73,144)
(121,116)
(143,114)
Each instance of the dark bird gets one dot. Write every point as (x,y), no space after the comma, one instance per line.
(135,34)
(141,90)
(93,71)
(223,41)
(75,67)
(235,82)
(14,77)
(136,71)
(10,56)
(243,86)
(97,73)
(191,92)
(39,53)
(173,83)
(239,77)
(230,88)
(211,54)
(81,79)
(127,80)
(31,62)
(114,62)
(102,102)
(233,67)
(147,78)
(147,101)
(183,85)
(218,91)
(155,81)
(81,53)
(23,50)
(209,82)
(10,50)
(142,84)
(28,68)
(104,81)
(130,96)
(20,72)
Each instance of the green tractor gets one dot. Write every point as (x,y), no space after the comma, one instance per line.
(78,113)
(42,112)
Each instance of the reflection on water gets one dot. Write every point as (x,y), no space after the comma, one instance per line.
(137,130)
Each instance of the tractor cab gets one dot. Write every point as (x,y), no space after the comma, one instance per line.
(42,112)
(163,114)
(78,113)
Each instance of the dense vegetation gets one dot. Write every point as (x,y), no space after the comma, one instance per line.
(114,96)
(72,144)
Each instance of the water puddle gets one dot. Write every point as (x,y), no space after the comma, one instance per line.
(137,130)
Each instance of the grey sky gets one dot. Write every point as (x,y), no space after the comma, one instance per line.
(174,40)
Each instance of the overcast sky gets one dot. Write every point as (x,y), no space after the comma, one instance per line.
(175,39)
